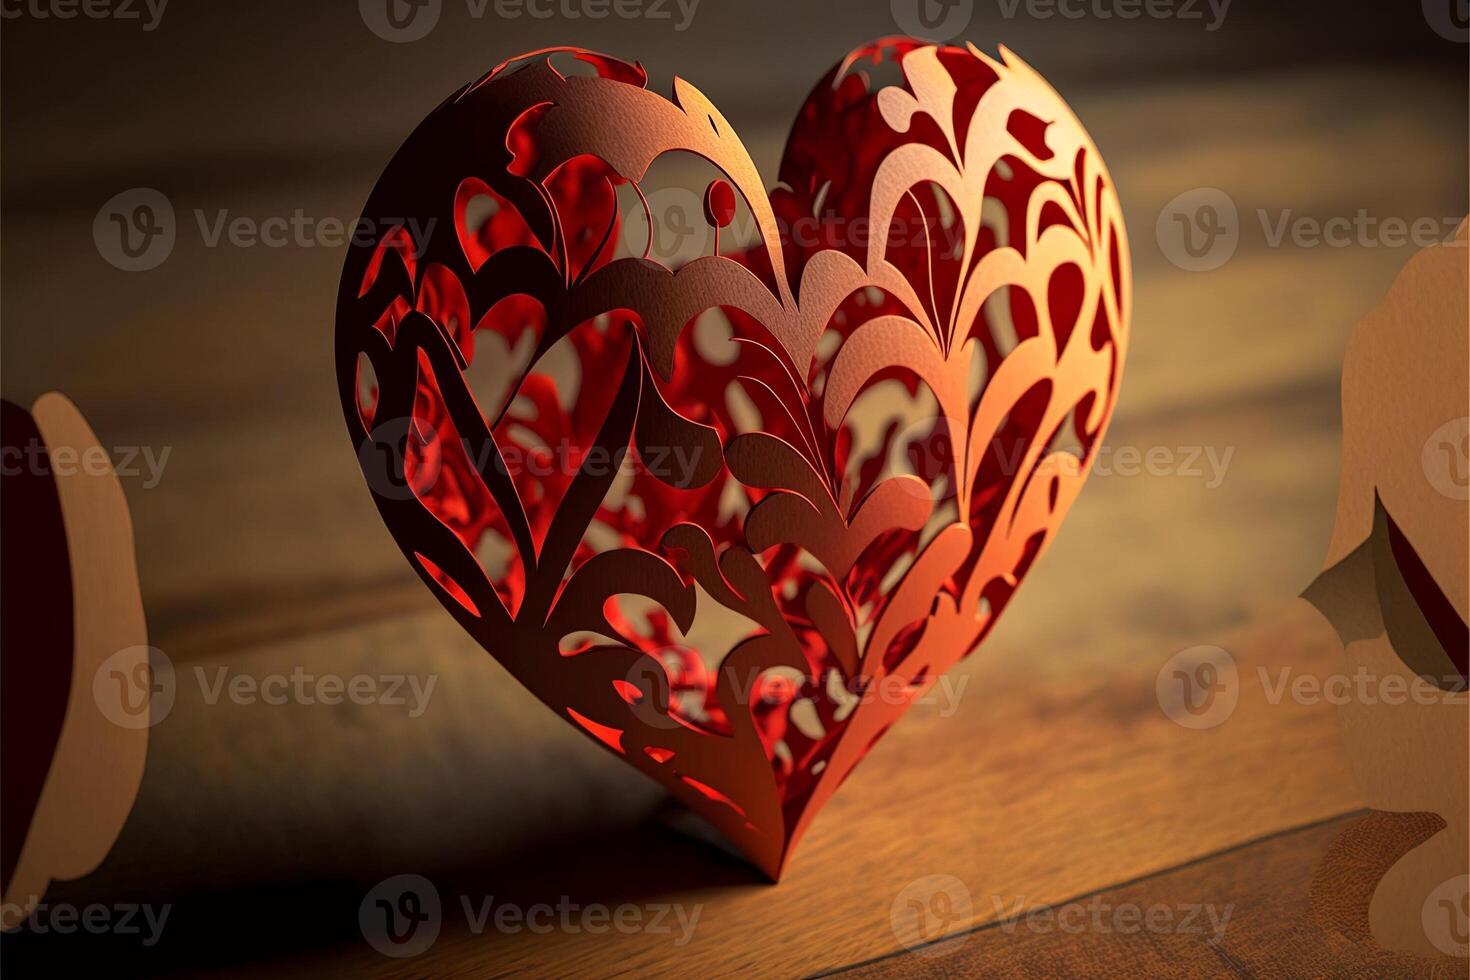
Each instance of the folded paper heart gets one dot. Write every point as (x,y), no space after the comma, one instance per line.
(732,510)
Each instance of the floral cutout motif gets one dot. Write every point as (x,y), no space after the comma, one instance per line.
(732,515)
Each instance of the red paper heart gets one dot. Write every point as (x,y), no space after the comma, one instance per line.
(707,553)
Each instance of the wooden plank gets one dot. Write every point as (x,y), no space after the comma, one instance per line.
(1251,911)
(1058,774)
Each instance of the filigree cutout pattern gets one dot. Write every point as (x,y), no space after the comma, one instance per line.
(707,554)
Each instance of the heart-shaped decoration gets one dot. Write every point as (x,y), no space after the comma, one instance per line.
(732,517)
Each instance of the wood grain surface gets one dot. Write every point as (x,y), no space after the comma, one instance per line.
(1047,781)
(1245,912)
(1052,774)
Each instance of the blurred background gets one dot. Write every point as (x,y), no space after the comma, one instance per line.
(260,551)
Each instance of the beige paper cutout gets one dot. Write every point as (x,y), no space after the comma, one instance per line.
(98,764)
(1396,581)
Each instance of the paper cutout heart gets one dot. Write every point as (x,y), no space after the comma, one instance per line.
(732,518)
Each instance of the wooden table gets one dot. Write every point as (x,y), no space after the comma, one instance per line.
(1058,777)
